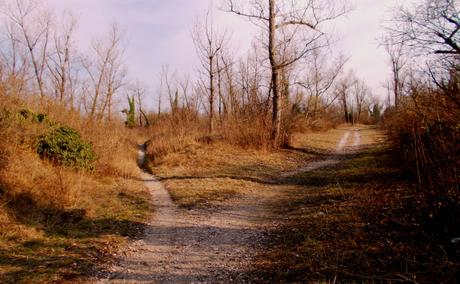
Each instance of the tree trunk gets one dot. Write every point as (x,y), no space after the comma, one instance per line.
(396,85)
(315,109)
(94,104)
(62,87)
(159,104)
(219,87)
(345,107)
(211,96)
(276,118)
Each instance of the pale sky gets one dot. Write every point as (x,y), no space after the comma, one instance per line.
(158,32)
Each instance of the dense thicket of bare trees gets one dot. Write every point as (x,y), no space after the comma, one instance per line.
(39,55)
(319,79)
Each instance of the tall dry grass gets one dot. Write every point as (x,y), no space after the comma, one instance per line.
(24,174)
(58,216)
(426,135)
(172,132)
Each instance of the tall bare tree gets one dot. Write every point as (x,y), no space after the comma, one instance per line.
(395,51)
(296,26)
(362,92)
(106,73)
(138,92)
(59,62)
(170,82)
(229,100)
(209,43)
(344,92)
(34,24)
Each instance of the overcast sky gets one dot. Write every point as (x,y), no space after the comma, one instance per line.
(158,32)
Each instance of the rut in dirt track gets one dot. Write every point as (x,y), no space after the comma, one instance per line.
(185,246)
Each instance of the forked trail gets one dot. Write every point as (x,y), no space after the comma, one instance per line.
(185,246)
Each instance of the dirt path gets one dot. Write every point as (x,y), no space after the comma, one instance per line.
(334,158)
(186,246)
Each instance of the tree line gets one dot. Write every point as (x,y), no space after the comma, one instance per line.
(292,73)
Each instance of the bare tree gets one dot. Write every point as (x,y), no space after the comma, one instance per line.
(362,93)
(289,25)
(106,73)
(34,25)
(183,84)
(398,61)
(160,95)
(344,90)
(229,101)
(169,80)
(432,28)
(138,93)
(221,100)
(59,62)
(320,78)
(209,43)
(14,60)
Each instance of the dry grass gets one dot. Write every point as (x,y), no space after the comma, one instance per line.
(203,175)
(250,132)
(326,141)
(348,223)
(371,136)
(224,159)
(322,141)
(57,224)
(206,192)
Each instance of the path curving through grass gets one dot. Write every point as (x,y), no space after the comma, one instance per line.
(195,244)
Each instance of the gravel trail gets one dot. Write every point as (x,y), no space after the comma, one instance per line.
(185,246)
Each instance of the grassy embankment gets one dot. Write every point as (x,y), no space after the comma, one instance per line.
(58,224)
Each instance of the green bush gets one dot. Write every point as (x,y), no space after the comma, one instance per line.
(26,114)
(65,146)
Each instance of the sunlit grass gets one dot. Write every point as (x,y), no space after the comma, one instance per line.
(58,224)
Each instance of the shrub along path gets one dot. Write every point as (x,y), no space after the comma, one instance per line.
(211,233)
